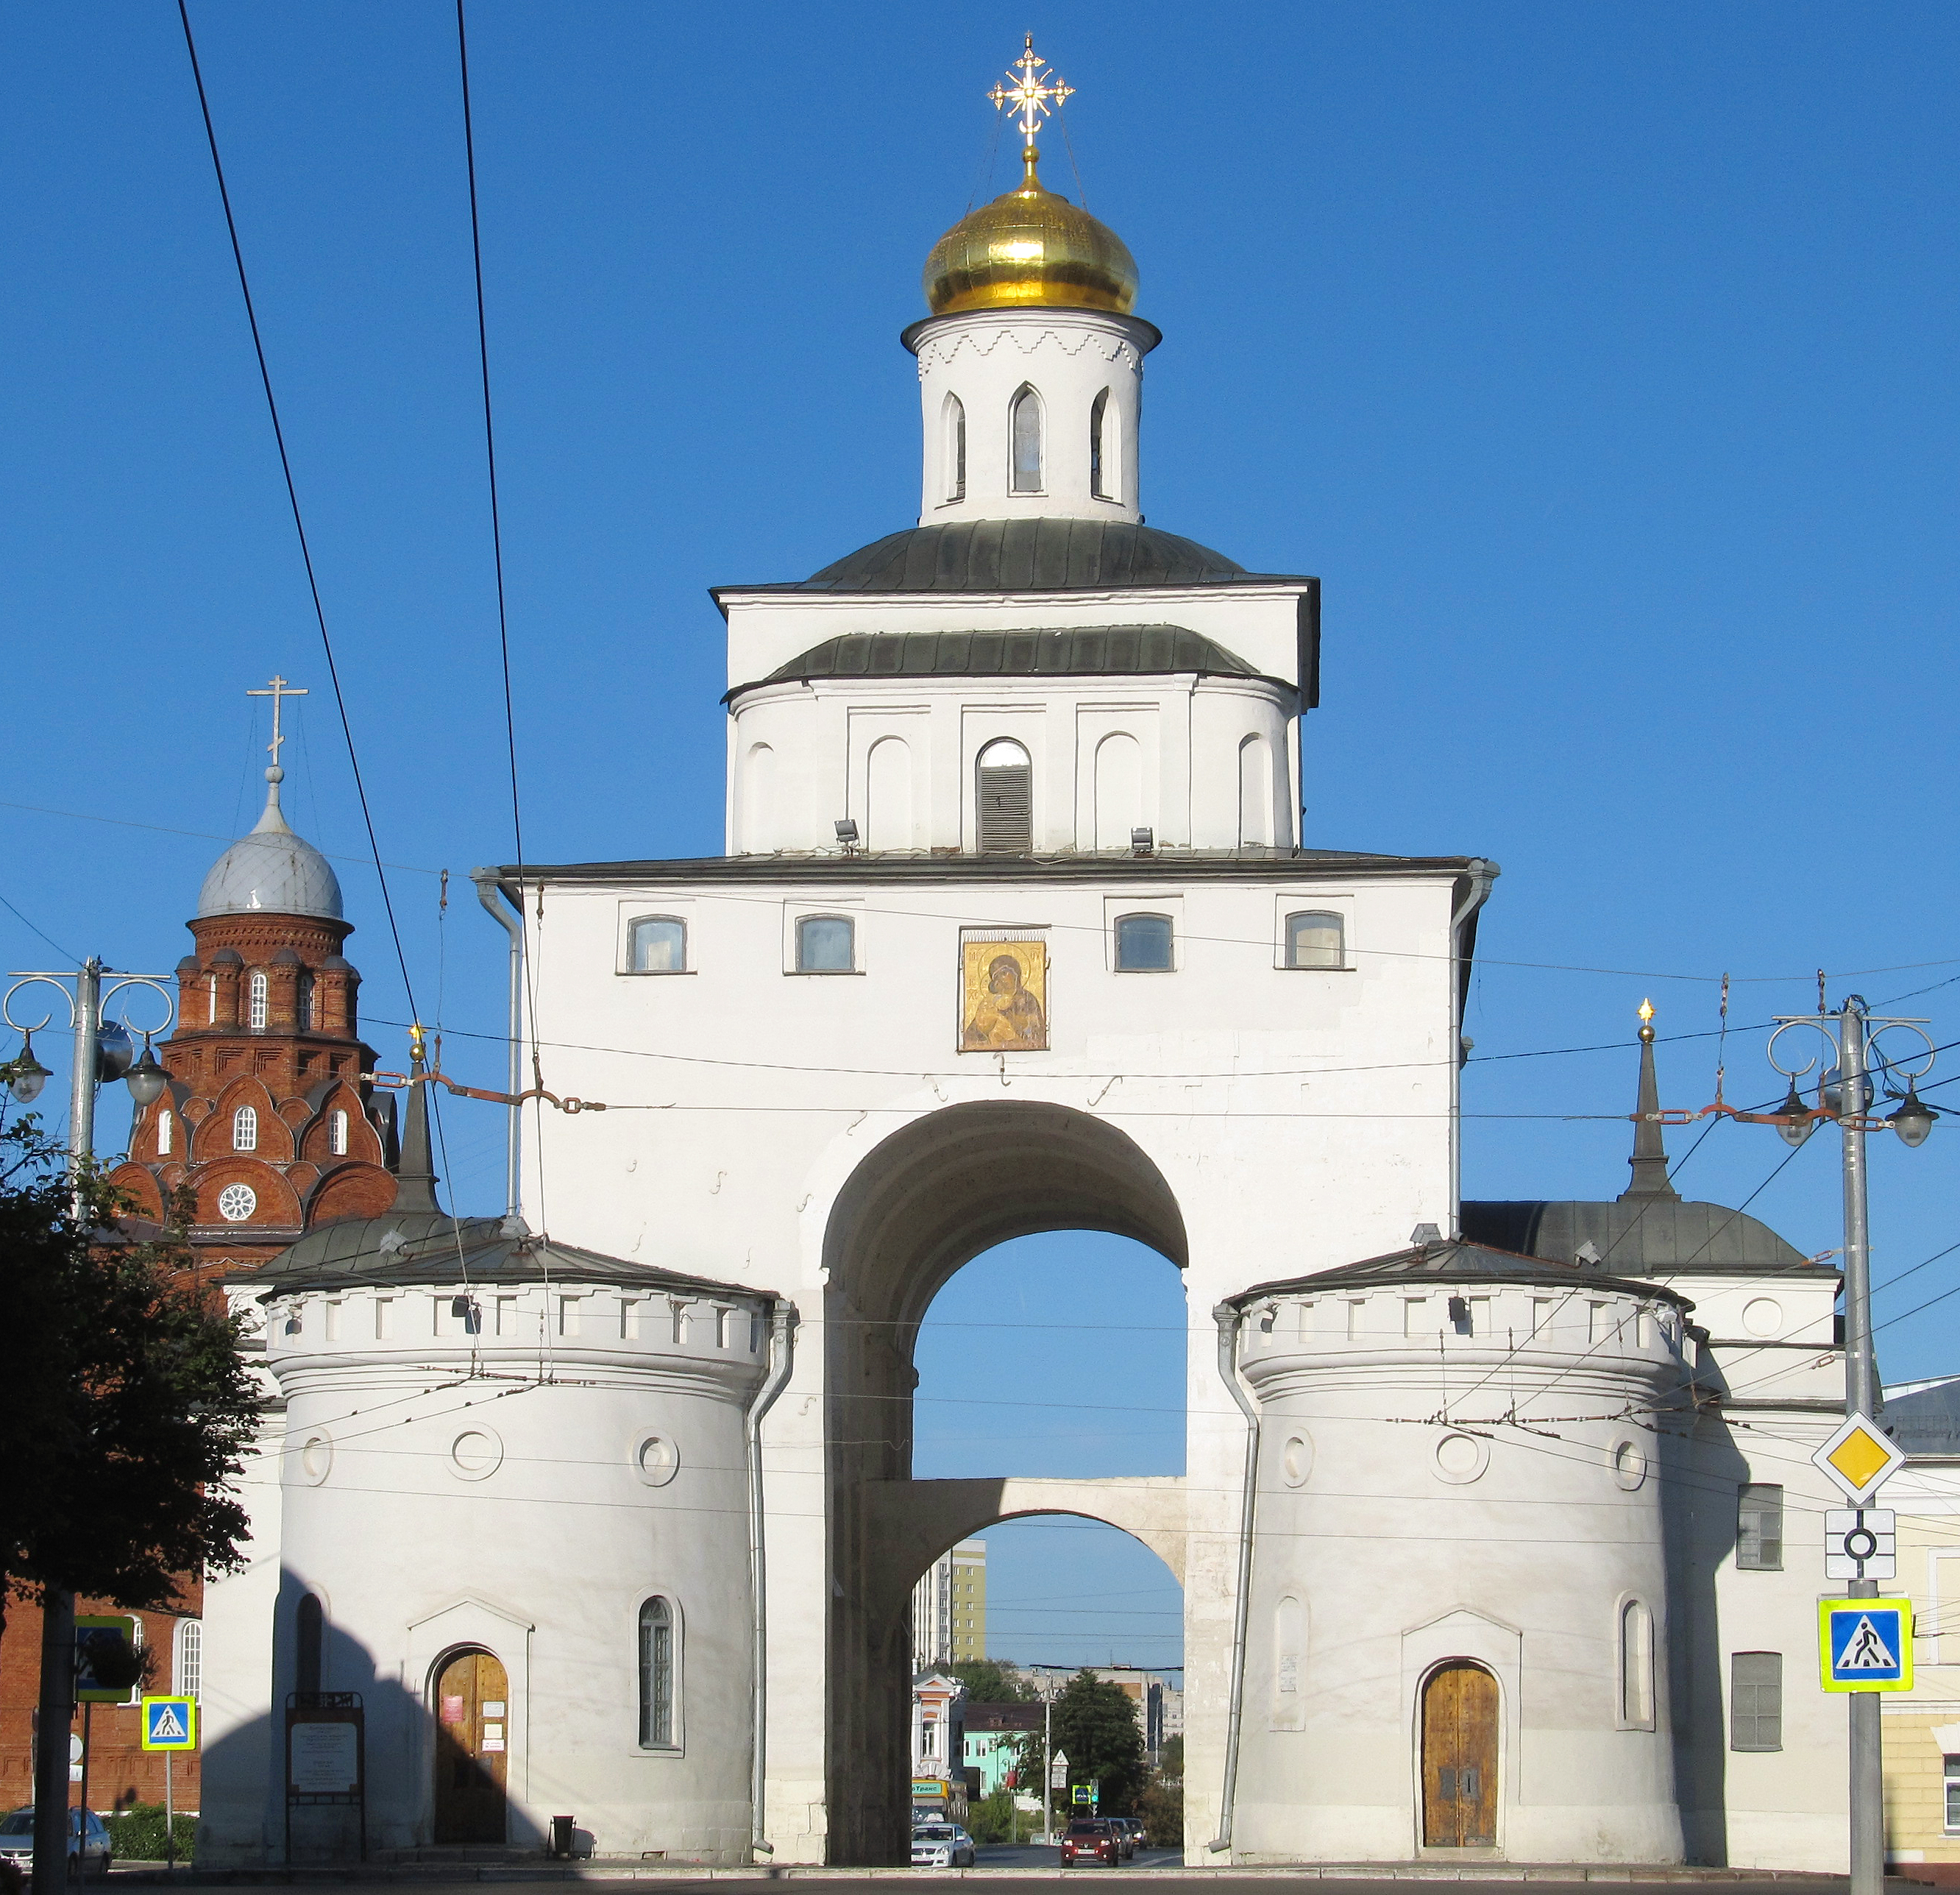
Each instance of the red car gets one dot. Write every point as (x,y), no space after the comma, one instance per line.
(1092,1839)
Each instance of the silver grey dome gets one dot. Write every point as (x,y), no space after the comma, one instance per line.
(271,872)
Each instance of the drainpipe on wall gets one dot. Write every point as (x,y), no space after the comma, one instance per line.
(488,886)
(1230,1321)
(782,1353)
(1480,875)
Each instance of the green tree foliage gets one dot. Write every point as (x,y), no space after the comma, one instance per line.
(990,1681)
(1161,1803)
(1095,1723)
(992,1819)
(129,1409)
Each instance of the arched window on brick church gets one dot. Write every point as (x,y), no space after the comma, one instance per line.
(190,1658)
(166,1131)
(336,1133)
(303,1002)
(245,1128)
(256,1016)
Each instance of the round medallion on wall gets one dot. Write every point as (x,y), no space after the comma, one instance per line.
(315,1459)
(656,1460)
(1461,1458)
(237,1203)
(1762,1316)
(475,1454)
(1297,1460)
(1630,1464)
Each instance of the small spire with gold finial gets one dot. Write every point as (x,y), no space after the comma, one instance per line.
(1650,1160)
(1031,84)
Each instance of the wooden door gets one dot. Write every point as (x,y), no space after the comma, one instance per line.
(472,1729)
(1459,1759)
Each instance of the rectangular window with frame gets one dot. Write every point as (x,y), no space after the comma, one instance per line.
(1759,1528)
(1755,1701)
(1950,1770)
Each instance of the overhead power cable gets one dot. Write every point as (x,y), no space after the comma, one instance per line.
(293,496)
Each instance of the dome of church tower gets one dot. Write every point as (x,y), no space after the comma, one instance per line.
(271,872)
(1030,249)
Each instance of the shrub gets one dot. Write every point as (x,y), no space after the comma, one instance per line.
(136,1834)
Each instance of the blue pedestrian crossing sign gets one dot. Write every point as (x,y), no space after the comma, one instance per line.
(1865,1645)
(169,1724)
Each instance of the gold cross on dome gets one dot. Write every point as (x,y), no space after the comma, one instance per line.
(277,690)
(1030,85)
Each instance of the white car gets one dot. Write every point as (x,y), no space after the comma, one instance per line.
(17,1841)
(942,1845)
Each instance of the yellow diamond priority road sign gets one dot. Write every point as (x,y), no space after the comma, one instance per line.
(1858,1457)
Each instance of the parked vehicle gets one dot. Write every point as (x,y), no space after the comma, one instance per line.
(1091,1839)
(942,1845)
(1130,1832)
(88,1847)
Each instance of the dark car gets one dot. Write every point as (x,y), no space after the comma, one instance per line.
(85,1846)
(1091,1839)
(1130,1833)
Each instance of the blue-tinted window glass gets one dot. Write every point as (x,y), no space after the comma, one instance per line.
(824,945)
(658,946)
(1142,943)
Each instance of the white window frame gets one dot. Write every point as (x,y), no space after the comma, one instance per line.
(1145,912)
(258,1002)
(166,1131)
(336,1132)
(1028,389)
(187,1658)
(245,1128)
(1313,901)
(851,910)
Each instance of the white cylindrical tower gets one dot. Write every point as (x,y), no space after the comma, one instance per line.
(515,1521)
(1458,1619)
(1031,364)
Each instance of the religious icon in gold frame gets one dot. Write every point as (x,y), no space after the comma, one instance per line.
(1003,996)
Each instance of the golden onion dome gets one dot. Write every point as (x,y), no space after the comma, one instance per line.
(1030,249)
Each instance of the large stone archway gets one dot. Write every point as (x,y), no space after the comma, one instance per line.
(925,1202)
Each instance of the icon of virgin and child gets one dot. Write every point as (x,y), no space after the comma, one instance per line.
(1001,1009)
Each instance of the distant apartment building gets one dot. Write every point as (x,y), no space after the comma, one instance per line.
(949,1608)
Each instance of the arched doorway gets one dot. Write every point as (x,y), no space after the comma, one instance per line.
(925,1202)
(1459,1757)
(472,1732)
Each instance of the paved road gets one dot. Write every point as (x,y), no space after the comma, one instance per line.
(1033,1856)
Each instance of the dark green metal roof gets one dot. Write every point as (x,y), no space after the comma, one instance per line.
(1639,1236)
(1128,650)
(1458,1261)
(1026,556)
(427,1247)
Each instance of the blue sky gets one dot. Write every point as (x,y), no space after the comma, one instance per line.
(1600,359)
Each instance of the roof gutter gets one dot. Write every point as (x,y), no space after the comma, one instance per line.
(782,1355)
(1479,877)
(1230,1321)
(489,885)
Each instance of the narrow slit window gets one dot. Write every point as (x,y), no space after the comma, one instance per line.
(336,1133)
(1315,939)
(1755,1701)
(956,448)
(657,945)
(826,944)
(1099,460)
(303,1002)
(210,1000)
(1759,1528)
(1636,1667)
(245,1128)
(1004,788)
(256,1017)
(1143,943)
(657,1675)
(166,1131)
(1025,428)
(309,1640)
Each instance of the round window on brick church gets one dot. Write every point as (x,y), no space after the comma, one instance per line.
(237,1203)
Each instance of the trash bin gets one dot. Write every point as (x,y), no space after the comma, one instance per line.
(562,1828)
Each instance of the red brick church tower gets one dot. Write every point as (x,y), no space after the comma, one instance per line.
(269,1119)
(271,1122)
